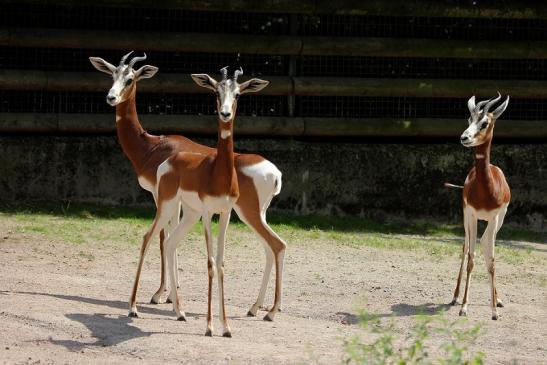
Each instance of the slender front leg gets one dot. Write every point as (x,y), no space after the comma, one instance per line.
(487,246)
(206,219)
(188,220)
(464,254)
(222,228)
(471,231)
(158,296)
(501,217)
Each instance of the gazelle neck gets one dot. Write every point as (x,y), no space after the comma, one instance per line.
(482,160)
(224,162)
(130,131)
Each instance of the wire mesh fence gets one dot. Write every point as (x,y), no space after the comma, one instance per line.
(408,107)
(80,102)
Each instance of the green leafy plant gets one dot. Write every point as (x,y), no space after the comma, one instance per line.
(432,340)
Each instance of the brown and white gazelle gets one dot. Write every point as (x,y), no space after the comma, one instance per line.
(486,196)
(206,184)
(259,180)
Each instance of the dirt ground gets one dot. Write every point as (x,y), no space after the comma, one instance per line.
(67,303)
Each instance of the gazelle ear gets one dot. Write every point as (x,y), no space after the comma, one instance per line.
(471,104)
(252,86)
(102,65)
(145,72)
(205,81)
(500,109)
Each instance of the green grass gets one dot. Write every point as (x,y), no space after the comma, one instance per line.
(86,223)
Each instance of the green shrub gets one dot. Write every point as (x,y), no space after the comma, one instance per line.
(449,340)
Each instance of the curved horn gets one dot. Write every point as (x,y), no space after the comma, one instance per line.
(224,73)
(136,59)
(471,104)
(124,58)
(480,104)
(490,103)
(237,73)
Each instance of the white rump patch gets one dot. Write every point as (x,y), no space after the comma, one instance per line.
(267,180)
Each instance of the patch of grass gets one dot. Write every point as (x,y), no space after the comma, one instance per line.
(433,339)
(84,223)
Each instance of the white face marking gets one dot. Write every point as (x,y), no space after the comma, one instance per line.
(123,77)
(475,134)
(227,94)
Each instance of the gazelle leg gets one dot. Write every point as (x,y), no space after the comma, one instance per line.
(162,216)
(464,254)
(471,232)
(257,221)
(159,295)
(222,228)
(173,223)
(279,259)
(211,268)
(265,279)
(189,219)
(501,216)
(487,245)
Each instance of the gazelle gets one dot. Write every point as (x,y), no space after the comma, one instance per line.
(206,184)
(486,196)
(259,180)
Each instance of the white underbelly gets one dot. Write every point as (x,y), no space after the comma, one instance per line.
(487,215)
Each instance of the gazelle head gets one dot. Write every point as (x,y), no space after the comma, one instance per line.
(481,121)
(228,90)
(124,76)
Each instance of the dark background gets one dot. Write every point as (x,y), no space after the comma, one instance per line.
(363,115)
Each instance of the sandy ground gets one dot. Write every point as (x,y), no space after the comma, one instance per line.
(67,303)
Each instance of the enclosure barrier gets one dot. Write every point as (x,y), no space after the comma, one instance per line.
(313,86)
(271,45)
(427,8)
(82,123)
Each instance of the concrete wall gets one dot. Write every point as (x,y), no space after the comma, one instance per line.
(327,178)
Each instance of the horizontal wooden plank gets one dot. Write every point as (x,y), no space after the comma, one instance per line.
(429,8)
(268,126)
(272,45)
(95,81)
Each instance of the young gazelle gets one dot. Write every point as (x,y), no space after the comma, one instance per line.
(206,184)
(486,196)
(258,178)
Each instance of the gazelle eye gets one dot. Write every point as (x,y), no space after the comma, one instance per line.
(237,96)
(483,125)
(128,82)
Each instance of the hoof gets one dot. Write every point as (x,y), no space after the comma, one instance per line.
(268,318)
(168,300)
(454,301)
(209,333)
(463,313)
(250,314)
(181,318)
(499,304)
(495,317)
(227,334)
(133,314)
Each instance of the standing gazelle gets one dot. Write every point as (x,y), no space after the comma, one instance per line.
(259,179)
(486,196)
(206,184)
